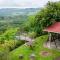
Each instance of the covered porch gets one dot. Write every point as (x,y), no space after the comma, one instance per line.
(53,36)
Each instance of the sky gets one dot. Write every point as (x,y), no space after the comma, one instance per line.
(23,3)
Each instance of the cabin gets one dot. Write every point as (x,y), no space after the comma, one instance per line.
(53,35)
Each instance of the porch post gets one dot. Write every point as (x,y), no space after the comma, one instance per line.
(49,39)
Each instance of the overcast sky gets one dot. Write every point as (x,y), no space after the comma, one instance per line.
(24,3)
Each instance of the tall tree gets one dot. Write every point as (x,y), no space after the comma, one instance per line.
(46,16)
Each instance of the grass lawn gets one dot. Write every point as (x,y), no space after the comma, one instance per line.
(26,51)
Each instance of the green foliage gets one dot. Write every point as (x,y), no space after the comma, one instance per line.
(32,34)
(49,14)
(10,33)
(44,18)
(28,25)
(11,21)
(3,53)
(2,39)
(12,44)
(19,43)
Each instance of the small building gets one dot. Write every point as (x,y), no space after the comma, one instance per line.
(54,35)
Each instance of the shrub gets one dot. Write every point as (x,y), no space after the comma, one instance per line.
(3,53)
(11,45)
(18,43)
(32,34)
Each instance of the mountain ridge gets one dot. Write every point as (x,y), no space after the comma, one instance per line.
(18,11)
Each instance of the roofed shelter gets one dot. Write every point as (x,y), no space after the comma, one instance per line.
(54,32)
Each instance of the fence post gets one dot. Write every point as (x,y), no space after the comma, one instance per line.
(32,57)
(21,57)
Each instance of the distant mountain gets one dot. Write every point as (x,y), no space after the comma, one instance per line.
(18,11)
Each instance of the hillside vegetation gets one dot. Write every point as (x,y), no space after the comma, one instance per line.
(28,23)
(44,18)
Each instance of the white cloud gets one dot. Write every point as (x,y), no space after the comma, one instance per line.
(24,3)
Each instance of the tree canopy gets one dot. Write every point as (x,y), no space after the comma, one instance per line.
(45,17)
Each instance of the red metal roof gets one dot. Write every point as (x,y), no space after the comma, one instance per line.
(53,28)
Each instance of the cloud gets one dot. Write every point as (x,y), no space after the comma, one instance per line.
(24,3)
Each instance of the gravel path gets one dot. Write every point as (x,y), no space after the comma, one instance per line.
(25,38)
(21,37)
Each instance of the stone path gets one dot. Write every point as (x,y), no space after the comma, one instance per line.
(21,37)
(25,38)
